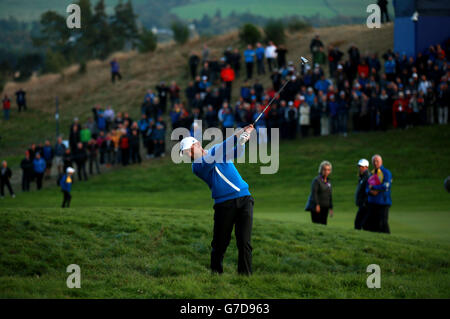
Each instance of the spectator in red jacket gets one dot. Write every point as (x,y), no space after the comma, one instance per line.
(363,68)
(125,149)
(399,111)
(227,74)
(6,107)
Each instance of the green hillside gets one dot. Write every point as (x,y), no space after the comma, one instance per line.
(26,10)
(145,231)
(274,9)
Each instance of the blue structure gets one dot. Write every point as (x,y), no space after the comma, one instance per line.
(431,27)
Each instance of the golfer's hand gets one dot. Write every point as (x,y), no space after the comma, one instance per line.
(331,213)
(245,136)
(249,128)
(317,208)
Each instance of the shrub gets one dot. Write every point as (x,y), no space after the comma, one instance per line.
(54,62)
(274,31)
(147,41)
(295,24)
(180,32)
(249,34)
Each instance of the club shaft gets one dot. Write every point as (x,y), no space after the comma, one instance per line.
(271,101)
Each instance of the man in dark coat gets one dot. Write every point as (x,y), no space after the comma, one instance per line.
(27,171)
(383,4)
(80,157)
(21,100)
(5,175)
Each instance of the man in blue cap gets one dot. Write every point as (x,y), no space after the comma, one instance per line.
(233,201)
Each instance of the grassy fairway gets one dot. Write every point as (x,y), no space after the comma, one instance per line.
(145,231)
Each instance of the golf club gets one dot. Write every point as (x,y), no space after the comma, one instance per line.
(303,61)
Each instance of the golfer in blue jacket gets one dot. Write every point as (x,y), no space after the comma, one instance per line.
(233,203)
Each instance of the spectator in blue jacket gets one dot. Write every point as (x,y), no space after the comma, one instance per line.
(143,125)
(249,57)
(101,122)
(333,107)
(226,117)
(322,84)
(66,186)
(389,68)
(39,167)
(343,113)
(379,196)
(115,68)
(233,201)
(310,96)
(259,52)
(158,138)
(245,92)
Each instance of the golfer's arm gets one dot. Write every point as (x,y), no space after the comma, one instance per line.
(232,148)
(227,150)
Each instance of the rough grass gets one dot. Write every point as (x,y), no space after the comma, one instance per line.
(145,253)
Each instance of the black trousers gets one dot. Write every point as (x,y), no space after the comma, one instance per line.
(66,199)
(136,155)
(81,168)
(361,218)
(6,183)
(39,177)
(114,75)
(22,105)
(378,218)
(271,64)
(321,217)
(249,66)
(26,180)
(260,66)
(94,161)
(238,212)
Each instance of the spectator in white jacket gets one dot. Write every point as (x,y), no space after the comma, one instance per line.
(424,84)
(271,55)
(304,121)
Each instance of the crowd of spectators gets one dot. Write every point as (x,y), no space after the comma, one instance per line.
(106,139)
(363,92)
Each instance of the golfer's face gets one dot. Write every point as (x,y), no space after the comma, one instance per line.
(196,151)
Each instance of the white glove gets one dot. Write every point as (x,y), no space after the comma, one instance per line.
(244,138)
